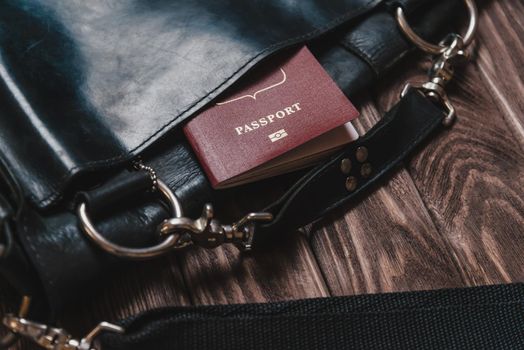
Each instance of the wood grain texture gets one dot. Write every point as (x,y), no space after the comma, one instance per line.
(471,177)
(287,270)
(386,243)
(454,216)
(500,60)
(224,276)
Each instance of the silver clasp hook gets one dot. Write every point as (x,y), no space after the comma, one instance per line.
(208,232)
(56,338)
(178,232)
(440,74)
(448,53)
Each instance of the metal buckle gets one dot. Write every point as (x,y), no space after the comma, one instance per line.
(48,337)
(448,52)
(179,232)
(208,232)
(56,338)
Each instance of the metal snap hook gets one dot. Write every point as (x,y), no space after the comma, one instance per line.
(11,338)
(170,242)
(438,49)
(179,232)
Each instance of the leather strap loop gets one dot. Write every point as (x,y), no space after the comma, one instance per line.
(409,6)
(121,188)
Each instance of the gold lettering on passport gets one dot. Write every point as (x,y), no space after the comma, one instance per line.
(269,119)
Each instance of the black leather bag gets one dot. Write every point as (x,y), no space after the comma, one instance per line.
(88,86)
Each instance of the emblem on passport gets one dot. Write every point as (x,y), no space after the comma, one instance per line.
(285,115)
(279,135)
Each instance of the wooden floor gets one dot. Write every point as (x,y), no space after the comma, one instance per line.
(452,217)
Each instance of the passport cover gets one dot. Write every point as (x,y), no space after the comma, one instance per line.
(286,102)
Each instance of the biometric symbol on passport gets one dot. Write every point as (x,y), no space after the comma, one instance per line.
(279,135)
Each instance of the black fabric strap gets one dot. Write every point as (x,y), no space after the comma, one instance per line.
(358,168)
(476,318)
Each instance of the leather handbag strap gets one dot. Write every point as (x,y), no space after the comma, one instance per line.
(475,318)
(341,179)
(359,167)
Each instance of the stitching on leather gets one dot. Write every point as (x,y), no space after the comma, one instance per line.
(56,187)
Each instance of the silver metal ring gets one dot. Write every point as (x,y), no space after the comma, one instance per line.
(438,49)
(163,247)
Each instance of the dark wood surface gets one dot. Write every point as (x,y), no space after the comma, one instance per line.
(452,217)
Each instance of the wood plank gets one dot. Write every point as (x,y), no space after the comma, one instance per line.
(471,178)
(501,58)
(286,271)
(385,243)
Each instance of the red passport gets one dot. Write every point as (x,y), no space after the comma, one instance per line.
(285,115)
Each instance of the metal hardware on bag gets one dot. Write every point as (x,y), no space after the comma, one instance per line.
(56,338)
(366,170)
(346,166)
(138,165)
(208,232)
(440,75)
(362,154)
(179,232)
(351,183)
(11,338)
(170,242)
(449,53)
(438,49)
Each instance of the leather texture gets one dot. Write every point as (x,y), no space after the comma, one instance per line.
(110,78)
(119,189)
(14,265)
(91,84)
(398,133)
